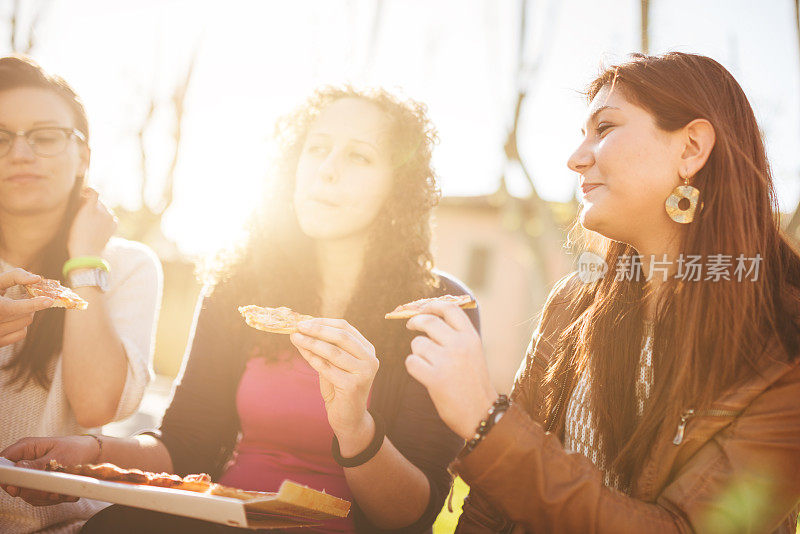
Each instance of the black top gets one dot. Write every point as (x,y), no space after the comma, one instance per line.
(201,426)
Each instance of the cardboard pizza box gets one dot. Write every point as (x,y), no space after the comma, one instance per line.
(292,505)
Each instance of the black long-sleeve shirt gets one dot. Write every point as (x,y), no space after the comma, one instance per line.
(201,426)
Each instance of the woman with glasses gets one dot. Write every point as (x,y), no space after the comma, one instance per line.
(343,233)
(62,371)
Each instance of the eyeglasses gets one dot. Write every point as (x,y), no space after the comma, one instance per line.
(45,142)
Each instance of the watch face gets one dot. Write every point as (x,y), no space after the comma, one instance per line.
(102,279)
(94,278)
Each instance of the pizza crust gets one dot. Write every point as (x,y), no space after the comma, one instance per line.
(409,310)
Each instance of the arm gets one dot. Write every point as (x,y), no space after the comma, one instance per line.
(107,347)
(525,473)
(742,480)
(347,365)
(201,424)
(199,421)
(141,452)
(406,482)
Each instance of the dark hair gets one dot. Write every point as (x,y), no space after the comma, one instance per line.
(46,333)
(708,335)
(276,265)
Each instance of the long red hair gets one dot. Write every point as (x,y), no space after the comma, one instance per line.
(708,334)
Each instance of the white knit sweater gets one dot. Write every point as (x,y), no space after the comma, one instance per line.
(133,299)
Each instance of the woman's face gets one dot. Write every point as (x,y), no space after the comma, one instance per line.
(344,173)
(628,167)
(31,184)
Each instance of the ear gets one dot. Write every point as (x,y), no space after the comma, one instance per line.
(84,153)
(699,137)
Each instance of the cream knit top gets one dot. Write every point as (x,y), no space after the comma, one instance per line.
(580,432)
(133,300)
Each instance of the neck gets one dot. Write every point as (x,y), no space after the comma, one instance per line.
(660,254)
(22,237)
(340,262)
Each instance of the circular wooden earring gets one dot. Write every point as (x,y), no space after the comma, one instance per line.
(682,203)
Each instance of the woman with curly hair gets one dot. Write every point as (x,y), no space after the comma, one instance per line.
(344,234)
(663,397)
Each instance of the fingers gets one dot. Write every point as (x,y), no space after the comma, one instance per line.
(335,334)
(426,349)
(38,463)
(336,331)
(90,194)
(43,498)
(330,372)
(27,449)
(420,369)
(322,349)
(15,324)
(451,313)
(14,337)
(433,326)
(24,306)
(17,276)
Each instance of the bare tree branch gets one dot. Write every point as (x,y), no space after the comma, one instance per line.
(178,100)
(148,118)
(645,18)
(14,22)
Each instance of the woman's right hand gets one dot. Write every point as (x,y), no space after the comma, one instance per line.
(36,453)
(16,315)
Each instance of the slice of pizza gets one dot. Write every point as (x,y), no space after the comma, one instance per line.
(198,483)
(409,310)
(276,320)
(112,473)
(63,297)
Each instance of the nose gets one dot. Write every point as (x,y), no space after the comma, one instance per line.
(21,150)
(329,168)
(582,159)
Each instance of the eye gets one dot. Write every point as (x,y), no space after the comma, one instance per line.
(360,158)
(603,127)
(316,150)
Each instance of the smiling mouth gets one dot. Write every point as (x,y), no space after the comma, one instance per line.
(589,187)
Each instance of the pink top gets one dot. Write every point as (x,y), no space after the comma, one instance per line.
(285,433)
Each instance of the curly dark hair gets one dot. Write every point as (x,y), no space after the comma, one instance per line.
(275,265)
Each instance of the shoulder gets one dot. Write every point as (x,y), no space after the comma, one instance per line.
(126,254)
(561,304)
(130,261)
(450,285)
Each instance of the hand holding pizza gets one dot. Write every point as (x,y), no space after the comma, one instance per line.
(347,365)
(16,315)
(36,453)
(449,361)
(92,227)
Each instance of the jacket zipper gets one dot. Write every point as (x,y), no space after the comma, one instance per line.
(690,413)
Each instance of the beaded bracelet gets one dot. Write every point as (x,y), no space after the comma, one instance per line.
(498,408)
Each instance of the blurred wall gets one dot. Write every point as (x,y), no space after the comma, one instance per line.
(475,241)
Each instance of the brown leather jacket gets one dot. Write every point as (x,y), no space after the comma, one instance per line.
(736,469)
